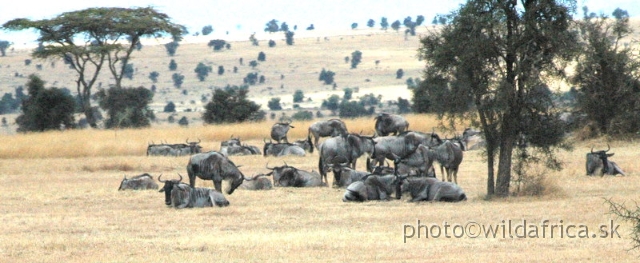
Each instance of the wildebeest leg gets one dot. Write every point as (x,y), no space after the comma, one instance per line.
(217,185)
(442,172)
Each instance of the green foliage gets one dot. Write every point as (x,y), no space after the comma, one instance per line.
(45,109)
(220,70)
(298,96)
(253,63)
(370,99)
(202,71)
(419,20)
(183,121)
(353,109)
(606,75)
(128,71)
(153,76)
(302,116)
(284,27)
(171,47)
(289,37)
(403,106)
(3,47)
(27,62)
(178,79)
(170,107)
(274,104)
(326,76)
(384,24)
(371,23)
(348,94)
(230,105)
(217,44)
(262,56)
(630,214)
(206,30)
(354,25)
(399,74)
(332,103)
(311,27)
(126,107)
(251,78)
(173,65)
(272,43)
(254,41)
(395,25)
(261,79)
(272,26)
(356,58)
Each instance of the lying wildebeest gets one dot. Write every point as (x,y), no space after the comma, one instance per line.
(390,123)
(419,163)
(141,182)
(279,131)
(305,144)
(346,175)
(231,142)
(181,195)
(159,149)
(389,146)
(373,187)
(239,150)
(332,127)
(598,162)
(281,149)
(431,189)
(176,149)
(294,177)
(347,148)
(257,182)
(216,167)
(449,155)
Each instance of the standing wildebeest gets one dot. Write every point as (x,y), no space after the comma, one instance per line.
(349,148)
(141,182)
(390,123)
(431,189)
(216,167)
(449,155)
(281,149)
(181,195)
(598,161)
(332,127)
(389,146)
(420,161)
(373,187)
(279,131)
(257,182)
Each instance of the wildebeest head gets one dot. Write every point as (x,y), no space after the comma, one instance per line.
(231,142)
(603,155)
(168,186)
(194,146)
(139,182)
(277,172)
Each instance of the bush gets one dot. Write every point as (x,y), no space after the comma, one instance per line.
(220,70)
(173,65)
(202,71)
(178,79)
(289,37)
(399,73)
(171,48)
(183,121)
(356,57)
(230,105)
(45,109)
(251,78)
(298,96)
(170,107)
(272,43)
(217,44)
(126,107)
(262,56)
(153,76)
(274,104)
(326,76)
(302,116)
(206,30)
(352,109)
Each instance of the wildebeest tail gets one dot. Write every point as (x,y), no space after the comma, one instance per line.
(310,143)
(351,195)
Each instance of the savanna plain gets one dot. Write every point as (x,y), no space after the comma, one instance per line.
(60,201)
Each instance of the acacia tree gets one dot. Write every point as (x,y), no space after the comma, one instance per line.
(110,35)
(493,54)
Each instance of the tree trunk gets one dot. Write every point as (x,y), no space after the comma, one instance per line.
(490,177)
(504,158)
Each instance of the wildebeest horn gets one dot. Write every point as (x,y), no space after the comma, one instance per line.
(199,140)
(267,166)
(160,180)
(285,164)
(591,149)
(180,180)
(608,148)
(125,177)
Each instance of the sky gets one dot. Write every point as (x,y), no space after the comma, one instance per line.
(248,16)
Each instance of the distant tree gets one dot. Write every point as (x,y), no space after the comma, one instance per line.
(261,56)
(395,25)
(240,61)
(284,27)
(399,73)
(272,43)
(235,69)
(251,78)
(302,116)
(171,47)
(27,62)
(183,121)
(126,107)
(274,104)
(220,70)
(153,76)
(311,27)
(346,59)
(45,109)
(272,26)
(354,25)
(202,71)
(352,109)
(370,99)
(173,65)
(332,103)
(261,79)
(348,94)
(384,24)
(289,37)
(298,96)
(3,47)
(128,71)
(217,44)
(356,57)
(419,20)
(206,30)
(326,76)
(170,107)
(178,79)
(8,104)
(227,46)
(403,106)
(254,41)
(230,105)
(253,63)
(371,23)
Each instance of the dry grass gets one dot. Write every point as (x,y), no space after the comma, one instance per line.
(62,206)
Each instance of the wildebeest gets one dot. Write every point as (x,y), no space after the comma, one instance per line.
(231,142)
(141,182)
(373,187)
(449,156)
(472,140)
(332,127)
(176,149)
(598,162)
(295,177)
(216,167)
(282,149)
(346,148)
(159,149)
(239,150)
(257,182)
(305,144)
(390,124)
(420,162)
(279,131)
(431,189)
(344,174)
(389,146)
(181,195)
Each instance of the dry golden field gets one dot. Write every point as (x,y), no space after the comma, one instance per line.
(61,204)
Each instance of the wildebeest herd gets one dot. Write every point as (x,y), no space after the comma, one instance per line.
(412,153)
